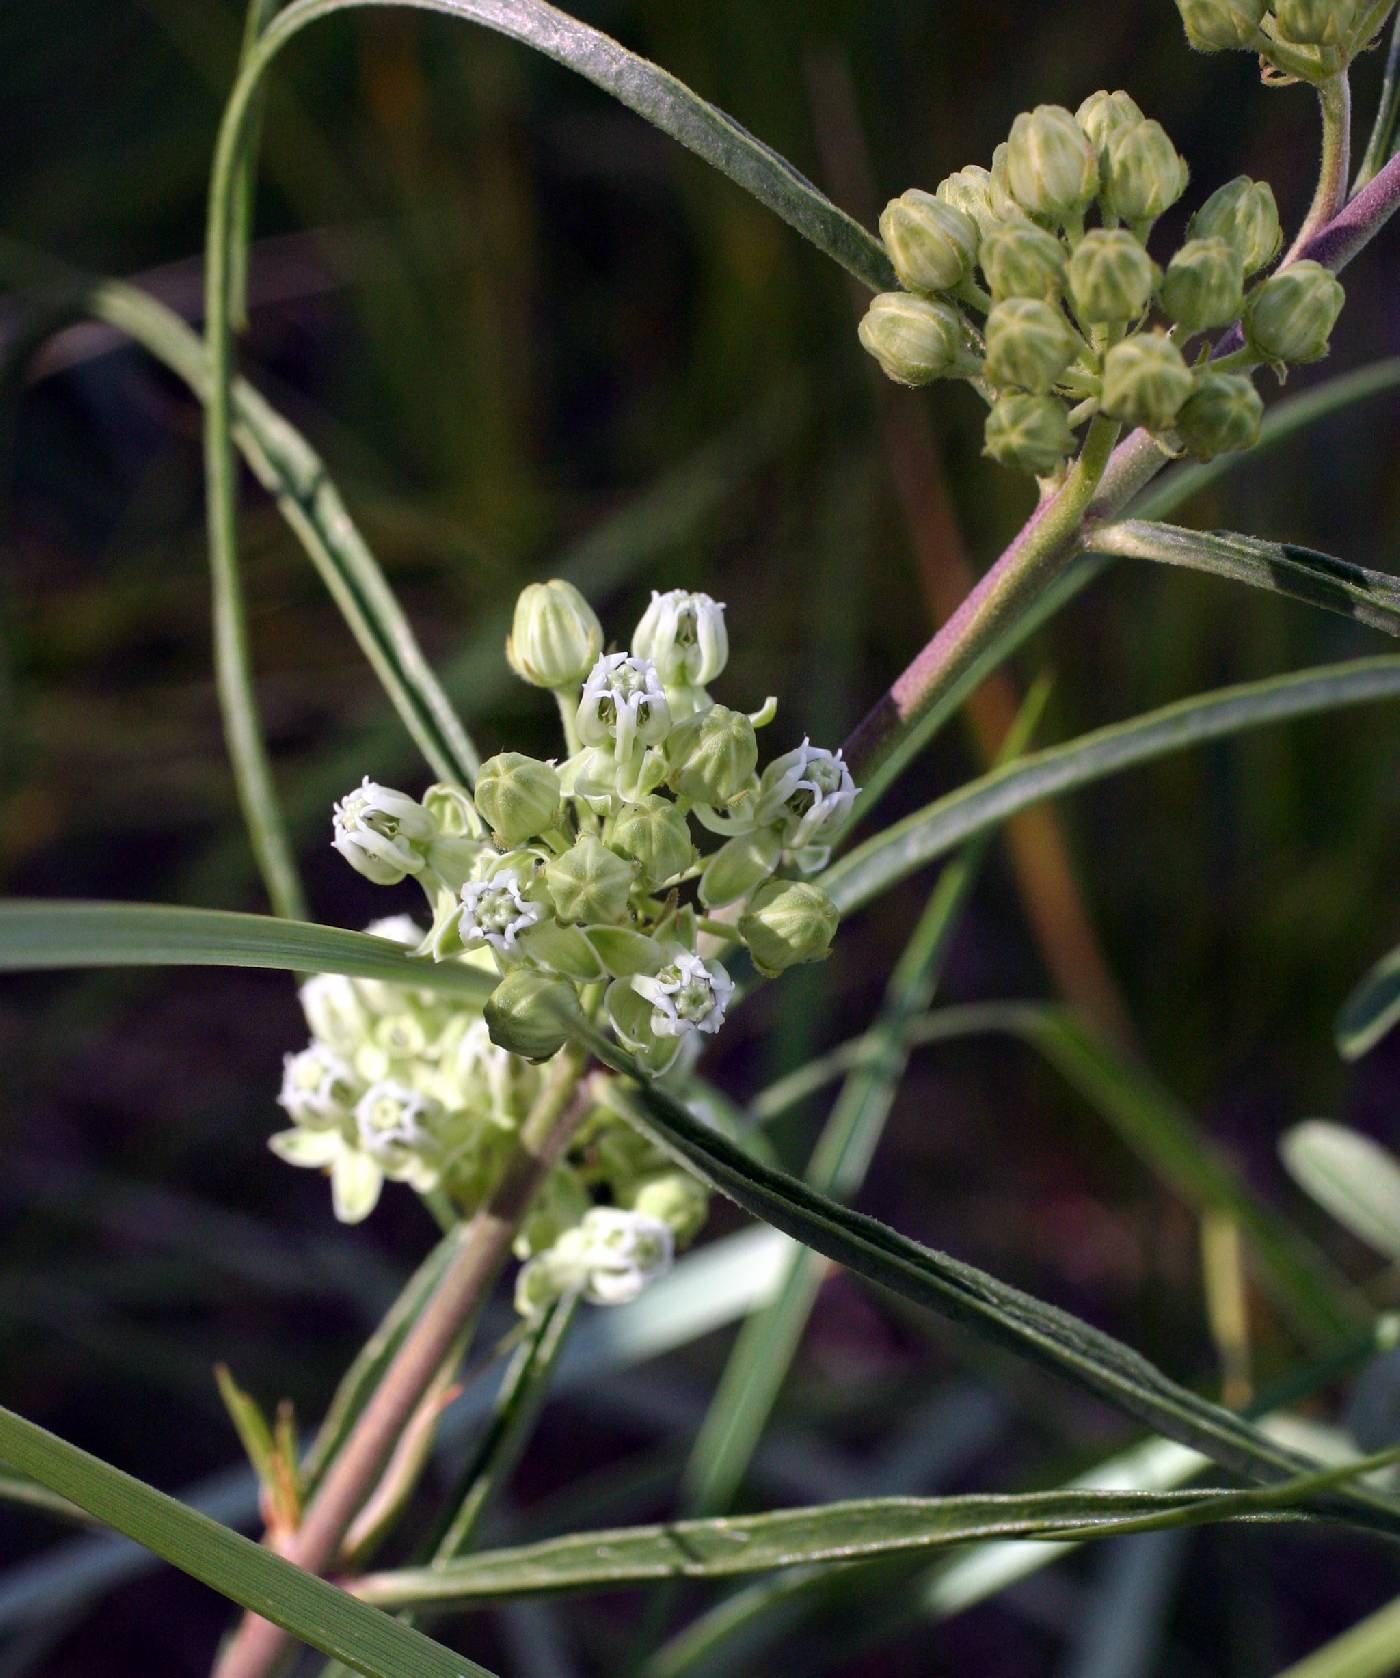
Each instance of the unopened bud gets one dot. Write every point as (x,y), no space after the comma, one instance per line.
(528,1013)
(1020,259)
(1290,317)
(518,795)
(1204,285)
(711,754)
(654,834)
(1029,344)
(1315,23)
(915,339)
(555,638)
(931,243)
(1220,25)
(1110,277)
(1145,381)
(1029,433)
(1051,166)
(1144,173)
(1103,115)
(788,922)
(1244,214)
(1222,417)
(589,882)
(970,190)
(676,1199)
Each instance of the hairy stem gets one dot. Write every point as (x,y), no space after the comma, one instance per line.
(1334,103)
(355,1471)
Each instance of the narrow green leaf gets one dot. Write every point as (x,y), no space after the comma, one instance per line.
(1369,1649)
(937,1282)
(1380,148)
(28,1494)
(1356,1179)
(1370,597)
(310,1609)
(1372,1008)
(40,933)
(911,844)
(861,1529)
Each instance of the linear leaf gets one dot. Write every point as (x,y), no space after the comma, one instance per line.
(1356,1179)
(861,1529)
(40,933)
(908,845)
(1372,1008)
(310,1609)
(1369,1649)
(1371,597)
(937,1282)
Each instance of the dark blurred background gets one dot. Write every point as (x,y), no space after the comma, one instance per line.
(528,333)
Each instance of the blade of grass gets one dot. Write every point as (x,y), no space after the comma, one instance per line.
(1369,1649)
(1372,1009)
(313,1611)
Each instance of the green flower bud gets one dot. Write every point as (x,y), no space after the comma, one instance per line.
(1315,23)
(589,882)
(711,754)
(528,1013)
(1219,25)
(1020,259)
(1144,174)
(1103,115)
(970,190)
(1145,381)
(674,1198)
(1290,317)
(1029,433)
(1204,285)
(739,865)
(914,339)
(1244,214)
(1110,277)
(1029,343)
(931,243)
(1222,417)
(654,834)
(518,795)
(1003,203)
(555,638)
(787,923)
(1051,166)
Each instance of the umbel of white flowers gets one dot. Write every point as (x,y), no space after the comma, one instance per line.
(587,886)
(1079,318)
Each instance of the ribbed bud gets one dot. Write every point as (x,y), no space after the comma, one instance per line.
(555,637)
(1029,433)
(684,636)
(1145,381)
(654,834)
(914,339)
(1020,259)
(1110,277)
(589,882)
(1315,23)
(1219,25)
(1222,417)
(528,1013)
(1204,285)
(1290,317)
(518,795)
(739,865)
(1004,204)
(711,755)
(1244,214)
(1103,115)
(1051,166)
(1144,174)
(788,922)
(970,190)
(674,1198)
(931,243)
(1029,344)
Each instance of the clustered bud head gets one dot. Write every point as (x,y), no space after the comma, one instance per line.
(931,243)
(1219,25)
(1222,416)
(579,892)
(1307,40)
(1069,330)
(555,638)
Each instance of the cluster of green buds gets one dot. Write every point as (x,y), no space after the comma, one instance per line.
(1079,319)
(1296,40)
(610,885)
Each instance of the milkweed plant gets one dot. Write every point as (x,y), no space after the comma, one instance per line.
(523,1047)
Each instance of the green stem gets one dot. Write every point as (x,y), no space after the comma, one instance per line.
(1334,103)
(356,1468)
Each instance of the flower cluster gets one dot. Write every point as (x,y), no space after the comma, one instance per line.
(1297,40)
(607,885)
(1069,308)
